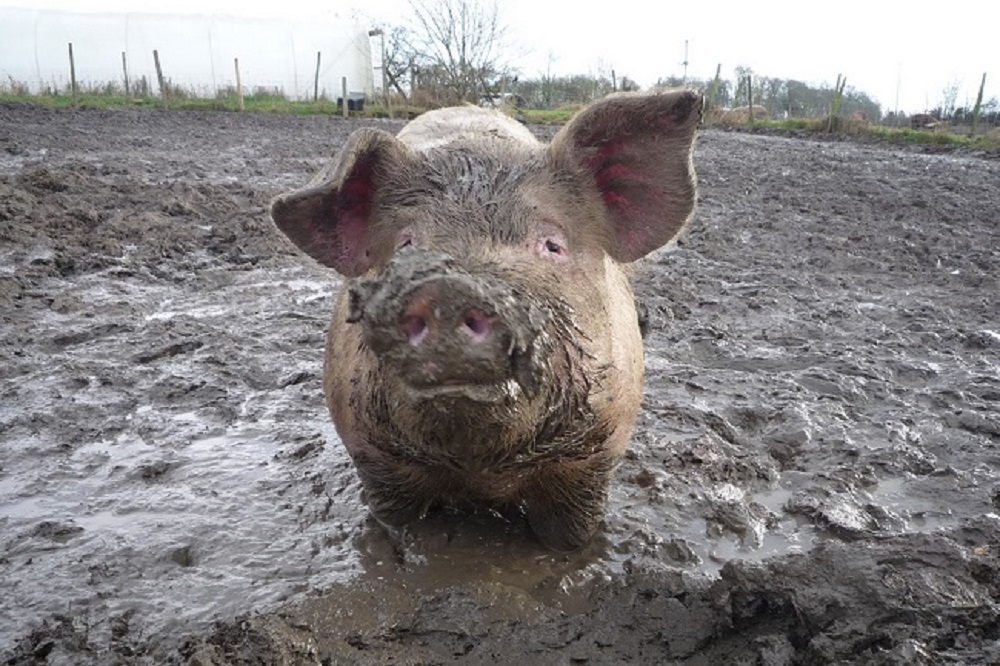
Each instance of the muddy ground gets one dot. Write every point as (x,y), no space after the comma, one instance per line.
(813,480)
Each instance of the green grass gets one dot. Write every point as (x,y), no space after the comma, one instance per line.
(942,136)
(264,101)
(259,102)
(938,137)
(549,116)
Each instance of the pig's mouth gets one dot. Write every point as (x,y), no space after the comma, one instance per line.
(497,376)
(465,391)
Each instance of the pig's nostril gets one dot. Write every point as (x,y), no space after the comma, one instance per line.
(477,325)
(415,328)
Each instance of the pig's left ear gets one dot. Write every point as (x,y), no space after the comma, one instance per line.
(636,150)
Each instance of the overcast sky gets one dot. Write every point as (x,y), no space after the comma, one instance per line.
(919,48)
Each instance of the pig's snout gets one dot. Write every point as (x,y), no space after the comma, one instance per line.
(441,310)
(445,332)
(449,330)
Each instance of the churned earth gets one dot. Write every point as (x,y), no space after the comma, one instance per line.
(814,478)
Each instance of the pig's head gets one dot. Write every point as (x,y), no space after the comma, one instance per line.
(488,324)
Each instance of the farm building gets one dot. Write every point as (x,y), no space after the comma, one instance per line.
(197,53)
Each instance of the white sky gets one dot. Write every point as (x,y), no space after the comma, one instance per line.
(922,47)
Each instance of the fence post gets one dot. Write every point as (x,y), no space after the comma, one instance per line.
(316,79)
(750,97)
(838,94)
(159,77)
(343,87)
(977,109)
(125,72)
(239,85)
(713,98)
(72,72)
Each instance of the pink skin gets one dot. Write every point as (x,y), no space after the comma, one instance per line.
(420,320)
(551,244)
(415,327)
(477,325)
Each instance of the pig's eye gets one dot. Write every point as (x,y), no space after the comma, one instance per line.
(553,247)
(550,243)
(404,238)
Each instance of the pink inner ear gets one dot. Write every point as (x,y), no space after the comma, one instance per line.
(613,198)
(627,190)
(351,209)
(614,176)
(355,196)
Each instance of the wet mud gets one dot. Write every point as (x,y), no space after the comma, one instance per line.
(813,479)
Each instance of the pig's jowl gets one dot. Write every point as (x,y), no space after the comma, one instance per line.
(485,351)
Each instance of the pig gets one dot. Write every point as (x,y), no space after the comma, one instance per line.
(484,352)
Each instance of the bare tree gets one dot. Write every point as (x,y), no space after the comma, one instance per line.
(399,63)
(744,79)
(948,97)
(458,46)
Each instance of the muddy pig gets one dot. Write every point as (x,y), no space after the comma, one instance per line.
(485,352)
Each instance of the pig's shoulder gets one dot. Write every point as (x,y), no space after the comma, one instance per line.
(440,127)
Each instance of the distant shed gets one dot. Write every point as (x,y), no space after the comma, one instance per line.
(196,52)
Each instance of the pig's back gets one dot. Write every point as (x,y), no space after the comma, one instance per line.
(443,126)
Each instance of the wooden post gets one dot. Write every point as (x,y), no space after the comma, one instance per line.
(159,77)
(316,79)
(239,85)
(750,97)
(72,72)
(125,72)
(838,93)
(979,105)
(713,98)
(385,74)
(343,88)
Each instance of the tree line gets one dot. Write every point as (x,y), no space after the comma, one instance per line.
(782,98)
(453,51)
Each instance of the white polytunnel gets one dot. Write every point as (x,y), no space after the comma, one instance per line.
(197,53)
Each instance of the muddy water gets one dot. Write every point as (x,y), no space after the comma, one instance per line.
(813,477)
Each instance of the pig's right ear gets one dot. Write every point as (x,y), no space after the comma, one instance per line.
(330,218)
